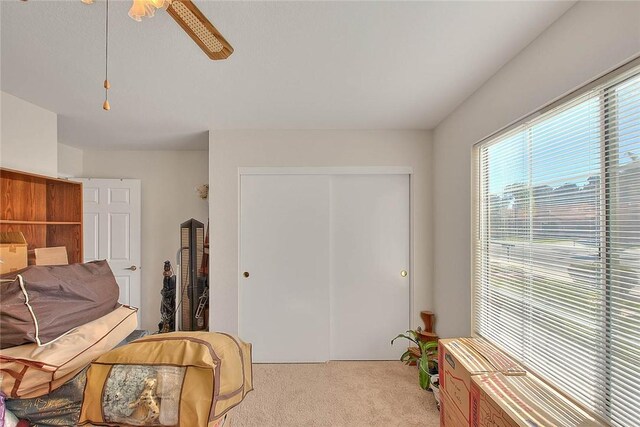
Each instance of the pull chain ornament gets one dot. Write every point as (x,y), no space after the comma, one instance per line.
(107,85)
(106,105)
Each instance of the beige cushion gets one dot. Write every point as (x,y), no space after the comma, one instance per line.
(30,370)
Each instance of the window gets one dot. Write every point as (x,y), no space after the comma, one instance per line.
(557,245)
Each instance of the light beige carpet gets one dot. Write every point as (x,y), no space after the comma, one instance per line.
(340,394)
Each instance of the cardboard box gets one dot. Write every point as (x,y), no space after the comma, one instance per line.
(450,415)
(13,251)
(499,400)
(459,359)
(52,256)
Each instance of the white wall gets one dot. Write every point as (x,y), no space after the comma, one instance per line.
(168,199)
(588,40)
(28,136)
(229,150)
(70,161)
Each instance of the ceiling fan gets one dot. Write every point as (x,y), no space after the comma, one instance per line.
(187,15)
(190,18)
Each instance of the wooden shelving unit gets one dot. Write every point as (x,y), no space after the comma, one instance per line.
(48,211)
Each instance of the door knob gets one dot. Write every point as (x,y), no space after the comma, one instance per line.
(245,274)
(404,273)
(132,268)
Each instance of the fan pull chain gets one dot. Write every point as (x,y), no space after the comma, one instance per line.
(107,85)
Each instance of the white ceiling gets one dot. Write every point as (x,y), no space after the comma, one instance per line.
(297,65)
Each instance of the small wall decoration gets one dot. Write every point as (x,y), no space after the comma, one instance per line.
(203,191)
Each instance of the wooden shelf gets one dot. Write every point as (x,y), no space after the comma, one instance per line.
(427,336)
(12,221)
(48,211)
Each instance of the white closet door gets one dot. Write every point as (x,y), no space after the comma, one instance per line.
(369,252)
(284,249)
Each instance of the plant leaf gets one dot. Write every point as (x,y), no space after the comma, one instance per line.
(405,336)
(423,375)
(428,346)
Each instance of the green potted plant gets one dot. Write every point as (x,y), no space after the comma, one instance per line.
(426,360)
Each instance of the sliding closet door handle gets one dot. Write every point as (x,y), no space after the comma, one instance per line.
(245,274)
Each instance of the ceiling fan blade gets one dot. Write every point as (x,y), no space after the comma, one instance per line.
(200,29)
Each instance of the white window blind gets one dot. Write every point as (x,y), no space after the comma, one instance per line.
(557,246)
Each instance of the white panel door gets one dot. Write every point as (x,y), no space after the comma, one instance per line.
(112,210)
(284,250)
(370,294)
